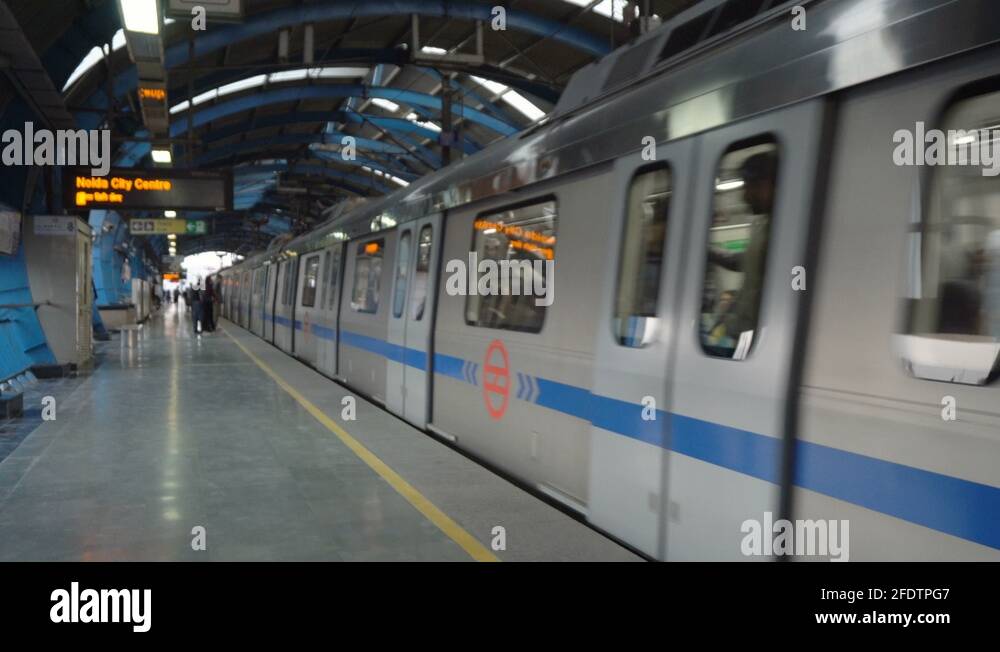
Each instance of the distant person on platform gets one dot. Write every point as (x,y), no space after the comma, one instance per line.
(175,293)
(187,296)
(208,305)
(196,312)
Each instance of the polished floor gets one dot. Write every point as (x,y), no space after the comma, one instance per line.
(224,441)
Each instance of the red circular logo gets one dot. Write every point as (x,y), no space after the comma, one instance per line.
(496,380)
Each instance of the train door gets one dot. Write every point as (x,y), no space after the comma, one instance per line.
(306,310)
(736,325)
(635,344)
(257,302)
(284,321)
(364,333)
(245,287)
(325,327)
(419,314)
(269,299)
(395,390)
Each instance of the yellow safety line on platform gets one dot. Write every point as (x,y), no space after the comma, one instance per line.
(455,532)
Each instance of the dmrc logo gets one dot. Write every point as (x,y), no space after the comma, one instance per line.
(496,380)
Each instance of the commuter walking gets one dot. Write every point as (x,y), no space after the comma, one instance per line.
(208,306)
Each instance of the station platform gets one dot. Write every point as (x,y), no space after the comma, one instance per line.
(225,432)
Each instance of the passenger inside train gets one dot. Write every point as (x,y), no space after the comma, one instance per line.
(738,248)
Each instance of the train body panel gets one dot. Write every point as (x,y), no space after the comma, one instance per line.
(364,315)
(863,413)
(518,397)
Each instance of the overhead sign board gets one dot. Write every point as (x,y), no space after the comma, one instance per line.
(164,226)
(147,190)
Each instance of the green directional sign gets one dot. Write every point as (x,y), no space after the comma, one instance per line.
(196,227)
(164,226)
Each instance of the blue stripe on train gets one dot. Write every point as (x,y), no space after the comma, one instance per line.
(940,502)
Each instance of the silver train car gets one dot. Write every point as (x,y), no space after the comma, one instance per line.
(759,309)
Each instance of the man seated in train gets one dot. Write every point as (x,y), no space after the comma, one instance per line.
(758,173)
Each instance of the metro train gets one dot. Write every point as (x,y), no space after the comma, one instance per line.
(758,312)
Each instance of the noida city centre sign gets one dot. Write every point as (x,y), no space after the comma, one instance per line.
(147,190)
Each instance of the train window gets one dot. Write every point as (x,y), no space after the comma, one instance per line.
(953,309)
(334,278)
(424,247)
(641,262)
(309,282)
(326,286)
(402,274)
(522,242)
(367,275)
(737,248)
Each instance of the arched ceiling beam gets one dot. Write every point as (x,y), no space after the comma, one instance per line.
(264,144)
(292,93)
(396,125)
(273,21)
(342,58)
(315,169)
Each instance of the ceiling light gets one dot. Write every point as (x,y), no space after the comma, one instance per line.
(140,16)
(162,156)
(172,236)
(732,184)
(170,214)
(385,104)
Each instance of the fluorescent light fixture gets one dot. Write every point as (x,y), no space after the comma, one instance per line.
(118,40)
(172,236)
(162,156)
(612,9)
(289,75)
(332,72)
(170,214)
(385,104)
(494,87)
(731,184)
(140,16)
(522,104)
(427,49)
(205,97)
(241,85)
(511,97)
(426,124)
